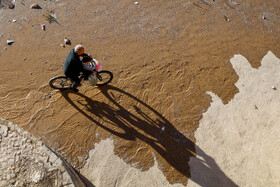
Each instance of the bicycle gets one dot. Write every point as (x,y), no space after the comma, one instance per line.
(63,82)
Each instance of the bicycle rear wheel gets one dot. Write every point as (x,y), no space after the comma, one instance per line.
(104,77)
(60,82)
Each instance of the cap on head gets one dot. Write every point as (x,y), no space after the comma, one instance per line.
(79,49)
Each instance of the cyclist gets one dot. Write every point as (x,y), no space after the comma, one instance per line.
(73,66)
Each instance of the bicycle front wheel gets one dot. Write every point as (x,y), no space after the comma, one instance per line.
(104,77)
(60,82)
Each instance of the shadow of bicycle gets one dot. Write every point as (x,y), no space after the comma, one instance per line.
(137,121)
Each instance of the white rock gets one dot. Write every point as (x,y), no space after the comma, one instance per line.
(136,3)
(34,6)
(67,41)
(4,130)
(273,87)
(10,42)
(52,158)
(37,176)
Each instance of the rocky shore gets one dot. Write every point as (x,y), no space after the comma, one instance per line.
(26,161)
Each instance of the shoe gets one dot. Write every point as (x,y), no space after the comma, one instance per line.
(74,89)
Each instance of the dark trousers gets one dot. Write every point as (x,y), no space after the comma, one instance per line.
(75,80)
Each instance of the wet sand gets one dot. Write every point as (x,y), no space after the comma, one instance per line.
(164,55)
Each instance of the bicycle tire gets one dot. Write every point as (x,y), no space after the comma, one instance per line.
(60,82)
(104,77)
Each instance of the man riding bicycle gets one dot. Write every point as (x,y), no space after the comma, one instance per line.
(73,66)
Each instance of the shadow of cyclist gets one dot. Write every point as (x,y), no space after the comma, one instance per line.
(148,125)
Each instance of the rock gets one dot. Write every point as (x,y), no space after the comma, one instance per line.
(67,41)
(14,20)
(81,159)
(43,27)
(37,175)
(263,17)
(52,158)
(10,42)
(16,144)
(273,87)
(136,3)
(35,6)
(235,3)
(11,6)
(226,18)
(39,143)
(4,131)
(11,162)
(30,73)
(62,45)
(48,96)
(104,58)
(44,159)
(24,59)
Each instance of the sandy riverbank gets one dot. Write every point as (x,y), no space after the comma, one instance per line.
(165,56)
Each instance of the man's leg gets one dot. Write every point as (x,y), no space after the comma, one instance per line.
(75,83)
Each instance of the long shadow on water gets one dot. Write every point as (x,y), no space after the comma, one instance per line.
(172,145)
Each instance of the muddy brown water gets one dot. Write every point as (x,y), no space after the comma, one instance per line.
(164,55)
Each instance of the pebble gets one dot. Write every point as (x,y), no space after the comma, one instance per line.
(48,96)
(4,131)
(136,3)
(263,17)
(35,6)
(11,6)
(10,42)
(30,73)
(43,27)
(67,41)
(62,45)
(235,3)
(226,18)
(273,87)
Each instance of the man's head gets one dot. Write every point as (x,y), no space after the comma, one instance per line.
(79,49)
